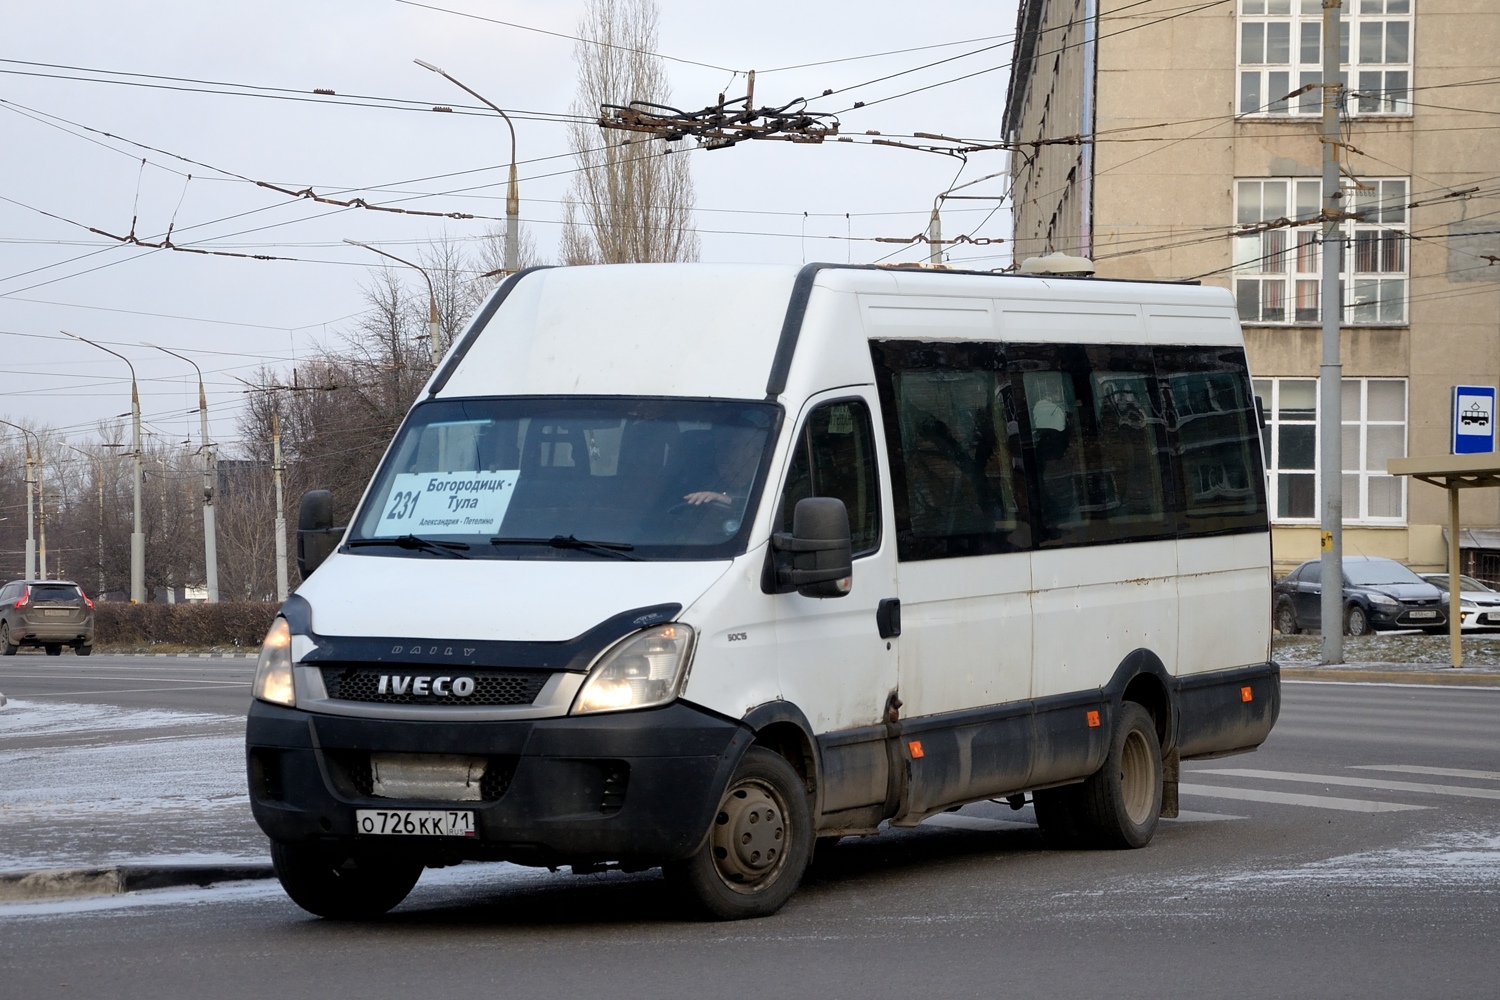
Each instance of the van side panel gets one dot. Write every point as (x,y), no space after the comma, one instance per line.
(1225,601)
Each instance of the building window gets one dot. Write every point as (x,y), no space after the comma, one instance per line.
(1373,418)
(1277,266)
(1281,52)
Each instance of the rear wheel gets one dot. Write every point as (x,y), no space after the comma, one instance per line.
(1356,621)
(53,648)
(1119,805)
(7,648)
(83,650)
(757,846)
(1286,619)
(340,882)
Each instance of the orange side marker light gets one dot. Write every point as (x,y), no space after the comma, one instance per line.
(1246,695)
(915,746)
(1093,720)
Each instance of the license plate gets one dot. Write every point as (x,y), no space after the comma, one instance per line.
(415,822)
(56,614)
(1424,614)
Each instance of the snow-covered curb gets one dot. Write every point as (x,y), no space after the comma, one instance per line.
(61,883)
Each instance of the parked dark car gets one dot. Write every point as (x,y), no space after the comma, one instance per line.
(1378,594)
(47,613)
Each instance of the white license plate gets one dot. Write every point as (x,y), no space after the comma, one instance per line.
(56,614)
(415,822)
(1424,614)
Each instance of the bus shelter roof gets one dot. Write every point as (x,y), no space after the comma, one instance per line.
(1450,471)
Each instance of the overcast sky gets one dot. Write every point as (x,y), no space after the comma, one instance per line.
(231,315)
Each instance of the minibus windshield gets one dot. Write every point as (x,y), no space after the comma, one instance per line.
(580,478)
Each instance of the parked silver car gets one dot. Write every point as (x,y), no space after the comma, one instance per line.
(1479,603)
(47,613)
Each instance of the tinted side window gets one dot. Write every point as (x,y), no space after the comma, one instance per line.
(1210,406)
(1098,448)
(951,432)
(835,457)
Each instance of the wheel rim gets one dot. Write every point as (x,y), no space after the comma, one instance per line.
(1357,622)
(1137,789)
(750,835)
(1285,621)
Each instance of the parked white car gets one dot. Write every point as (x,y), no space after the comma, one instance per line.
(1478,602)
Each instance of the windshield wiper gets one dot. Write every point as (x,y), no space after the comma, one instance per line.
(415,542)
(620,550)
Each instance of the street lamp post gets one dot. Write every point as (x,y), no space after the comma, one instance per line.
(99,487)
(513,192)
(210,482)
(31,482)
(137,537)
(434,327)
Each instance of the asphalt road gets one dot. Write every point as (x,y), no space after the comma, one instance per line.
(1357,854)
(190,684)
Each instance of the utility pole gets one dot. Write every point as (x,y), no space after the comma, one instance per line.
(210,483)
(935,238)
(513,190)
(30,482)
(1330,373)
(281,585)
(137,536)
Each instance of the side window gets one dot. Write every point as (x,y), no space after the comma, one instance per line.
(951,432)
(835,457)
(1210,405)
(1098,438)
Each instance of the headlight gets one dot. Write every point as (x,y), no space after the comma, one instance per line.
(642,670)
(1382,599)
(273,674)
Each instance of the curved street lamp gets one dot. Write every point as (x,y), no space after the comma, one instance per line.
(434,328)
(137,537)
(210,481)
(513,192)
(33,488)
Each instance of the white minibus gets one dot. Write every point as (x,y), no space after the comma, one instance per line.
(703,567)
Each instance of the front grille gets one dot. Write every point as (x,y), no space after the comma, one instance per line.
(491,687)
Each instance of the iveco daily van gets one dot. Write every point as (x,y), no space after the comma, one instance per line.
(700,566)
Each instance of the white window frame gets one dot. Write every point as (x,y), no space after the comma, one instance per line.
(1279,50)
(1359,471)
(1277,251)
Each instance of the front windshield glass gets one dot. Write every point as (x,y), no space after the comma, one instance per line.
(1373,572)
(569,478)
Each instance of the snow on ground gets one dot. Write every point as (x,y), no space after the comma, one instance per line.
(1388,648)
(98,784)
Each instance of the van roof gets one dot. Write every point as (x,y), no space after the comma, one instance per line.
(732,330)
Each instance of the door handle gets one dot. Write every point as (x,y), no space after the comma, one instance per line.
(888,617)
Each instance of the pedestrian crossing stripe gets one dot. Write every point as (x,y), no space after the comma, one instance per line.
(1439,772)
(1377,784)
(1296,799)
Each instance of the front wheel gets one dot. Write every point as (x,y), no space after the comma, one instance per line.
(758,845)
(341,883)
(1356,621)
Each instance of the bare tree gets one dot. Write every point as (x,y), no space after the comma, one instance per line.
(632,198)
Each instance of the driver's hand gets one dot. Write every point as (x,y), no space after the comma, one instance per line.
(706,496)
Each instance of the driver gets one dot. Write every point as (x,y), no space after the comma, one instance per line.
(735,461)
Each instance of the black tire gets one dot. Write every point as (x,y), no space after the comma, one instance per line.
(1286,619)
(7,648)
(1356,621)
(340,882)
(83,650)
(53,648)
(1119,805)
(756,849)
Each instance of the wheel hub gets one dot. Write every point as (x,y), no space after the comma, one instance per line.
(1136,787)
(749,835)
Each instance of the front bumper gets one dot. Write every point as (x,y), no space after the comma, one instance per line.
(629,786)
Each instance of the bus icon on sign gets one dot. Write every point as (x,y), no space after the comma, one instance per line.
(1473,419)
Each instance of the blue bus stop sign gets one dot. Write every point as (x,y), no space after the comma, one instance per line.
(1473,419)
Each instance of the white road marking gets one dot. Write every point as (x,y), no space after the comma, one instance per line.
(1441,772)
(1189,816)
(1461,791)
(1294,799)
(181,687)
(954,821)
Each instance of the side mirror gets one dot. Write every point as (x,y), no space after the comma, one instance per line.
(316,535)
(815,559)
